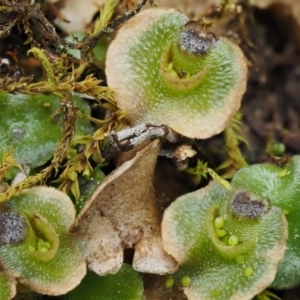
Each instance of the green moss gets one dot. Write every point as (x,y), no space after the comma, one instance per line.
(48,258)
(29,129)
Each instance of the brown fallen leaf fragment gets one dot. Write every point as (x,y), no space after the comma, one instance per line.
(127,199)
(103,246)
(188,7)
(78,13)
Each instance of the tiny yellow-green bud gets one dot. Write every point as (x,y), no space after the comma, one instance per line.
(186,281)
(219,222)
(31,248)
(86,172)
(43,249)
(43,245)
(170,66)
(72,175)
(286,211)
(220,232)
(47,245)
(248,271)
(215,293)
(282,173)
(169,282)
(233,240)
(240,259)
(40,243)
(173,72)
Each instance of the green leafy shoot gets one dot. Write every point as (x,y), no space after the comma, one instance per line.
(62,74)
(274,148)
(266,295)
(201,170)
(105,16)
(81,163)
(8,162)
(47,66)
(69,177)
(233,138)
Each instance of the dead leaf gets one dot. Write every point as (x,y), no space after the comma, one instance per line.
(126,198)
(78,13)
(188,7)
(103,249)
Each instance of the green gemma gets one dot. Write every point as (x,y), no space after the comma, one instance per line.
(233,244)
(281,185)
(237,264)
(165,69)
(35,244)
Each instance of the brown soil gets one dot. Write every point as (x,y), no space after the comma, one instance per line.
(271,105)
